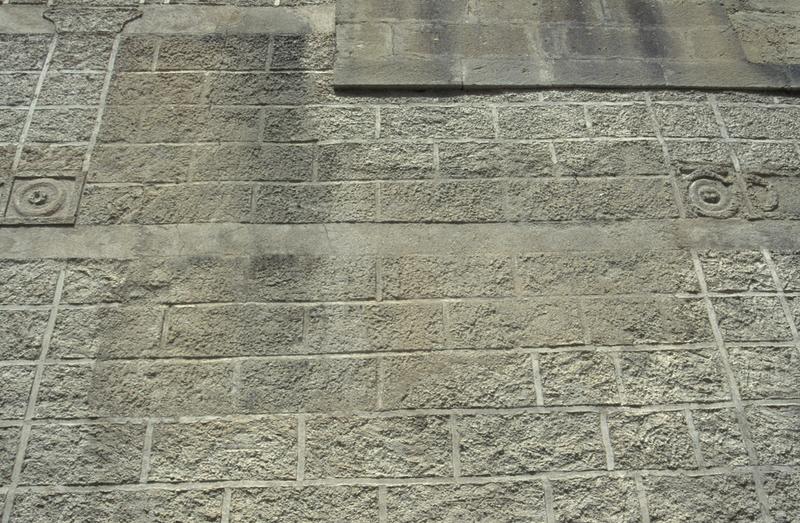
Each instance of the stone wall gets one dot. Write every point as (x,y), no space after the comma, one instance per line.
(280,302)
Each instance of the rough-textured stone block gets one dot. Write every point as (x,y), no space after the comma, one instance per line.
(264,89)
(15,386)
(234,330)
(746,319)
(300,505)
(673,377)
(80,51)
(611,158)
(262,449)
(732,271)
(107,332)
(264,162)
(701,499)
(83,454)
(787,266)
(104,204)
(162,388)
(9,440)
(766,372)
(596,499)
(499,324)
(307,51)
(762,122)
(214,51)
(620,121)
(494,160)
(590,199)
(782,489)
(357,447)
(71,89)
(496,502)
(687,121)
(66,391)
(690,155)
(436,122)
(411,277)
(622,321)
(542,121)
(157,89)
(530,443)
(303,124)
(308,385)
(658,440)
(62,125)
(458,381)
(17,88)
(578,378)
(720,438)
(11,124)
(165,506)
(137,53)
(141,163)
(607,273)
(368,328)
(51,159)
(23,51)
(28,282)
(21,334)
(330,202)
(448,201)
(768,157)
(774,433)
(367,161)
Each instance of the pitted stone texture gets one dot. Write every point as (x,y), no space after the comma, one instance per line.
(21,334)
(168,506)
(15,387)
(596,499)
(28,282)
(782,489)
(720,438)
(339,447)
(299,505)
(498,502)
(774,433)
(736,272)
(752,319)
(766,372)
(530,443)
(657,440)
(578,378)
(261,449)
(702,498)
(9,440)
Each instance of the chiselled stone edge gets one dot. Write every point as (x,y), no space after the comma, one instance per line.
(190,19)
(129,241)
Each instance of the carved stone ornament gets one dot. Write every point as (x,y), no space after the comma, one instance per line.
(713,194)
(39,198)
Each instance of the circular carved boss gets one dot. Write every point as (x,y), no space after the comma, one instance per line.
(712,195)
(39,198)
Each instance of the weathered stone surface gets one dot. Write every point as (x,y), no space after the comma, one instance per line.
(17,88)
(334,202)
(107,332)
(234,330)
(367,328)
(71,89)
(750,319)
(357,447)
(168,506)
(308,51)
(788,268)
(15,387)
(500,502)
(720,437)
(214,51)
(446,277)
(367,161)
(261,449)
(610,158)
(62,125)
(762,122)
(157,89)
(702,498)
(658,440)
(436,122)
(606,273)
(65,392)
(544,121)
(578,378)
(28,282)
(11,124)
(447,201)
(774,433)
(766,372)
(606,499)
(687,122)
(23,51)
(736,272)
(782,489)
(494,160)
(307,385)
(78,51)
(672,377)
(530,443)
(298,505)
(318,123)
(21,334)
(623,321)
(499,324)
(440,381)
(83,454)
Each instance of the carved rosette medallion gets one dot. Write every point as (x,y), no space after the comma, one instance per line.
(713,194)
(39,198)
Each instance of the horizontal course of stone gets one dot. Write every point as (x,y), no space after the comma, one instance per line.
(469,44)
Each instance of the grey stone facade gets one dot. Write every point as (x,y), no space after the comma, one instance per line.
(231,293)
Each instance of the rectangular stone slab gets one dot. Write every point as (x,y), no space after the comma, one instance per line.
(466,44)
